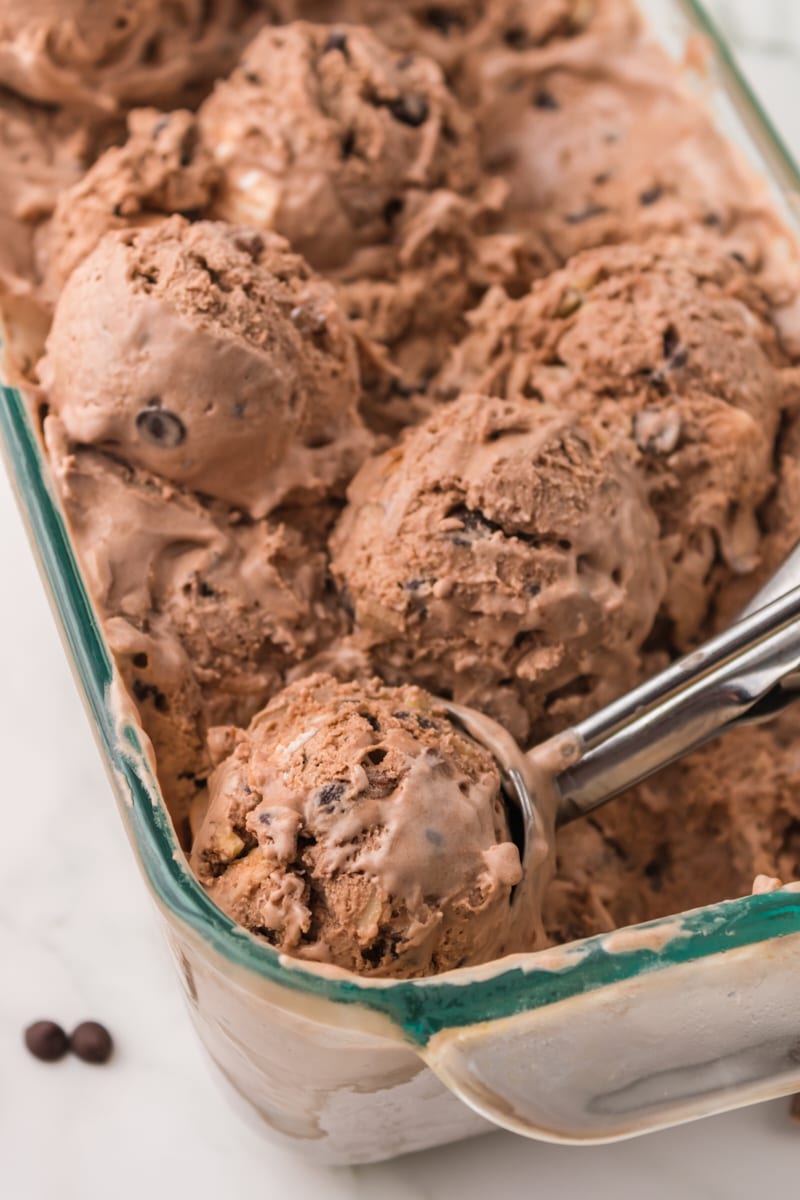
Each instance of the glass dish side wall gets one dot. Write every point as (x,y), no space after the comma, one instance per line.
(334,1063)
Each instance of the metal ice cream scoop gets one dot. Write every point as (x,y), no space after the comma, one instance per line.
(746,674)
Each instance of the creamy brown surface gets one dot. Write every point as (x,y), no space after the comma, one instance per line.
(322,135)
(205,613)
(212,355)
(161,168)
(502,554)
(353,824)
(671,346)
(527,238)
(122,52)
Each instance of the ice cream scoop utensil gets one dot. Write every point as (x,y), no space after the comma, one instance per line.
(743,674)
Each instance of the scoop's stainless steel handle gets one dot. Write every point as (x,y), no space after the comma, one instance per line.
(736,675)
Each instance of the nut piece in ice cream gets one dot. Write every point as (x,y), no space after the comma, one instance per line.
(204,615)
(162,168)
(213,356)
(121,52)
(323,133)
(503,554)
(670,346)
(354,824)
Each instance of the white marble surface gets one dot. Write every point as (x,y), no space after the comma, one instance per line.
(78,939)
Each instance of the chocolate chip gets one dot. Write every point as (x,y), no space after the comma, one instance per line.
(144,691)
(670,341)
(330,793)
(434,837)
(473,523)
(348,143)
(160,427)
(516,38)
(392,208)
(376,756)
(189,144)
(545,100)
(250,243)
(412,110)
(46,1041)
(337,40)
(425,722)
(205,590)
(92,1042)
(140,660)
(712,220)
(372,721)
(442,19)
(251,77)
(401,715)
(585,214)
(651,196)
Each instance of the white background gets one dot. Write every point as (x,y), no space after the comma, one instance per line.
(78,939)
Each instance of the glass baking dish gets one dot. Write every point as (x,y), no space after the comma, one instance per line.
(602,1039)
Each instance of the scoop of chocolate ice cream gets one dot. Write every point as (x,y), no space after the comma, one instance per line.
(671,347)
(465,36)
(162,168)
(354,824)
(213,356)
(503,554)
(204,613)
(121,52)
(323,133)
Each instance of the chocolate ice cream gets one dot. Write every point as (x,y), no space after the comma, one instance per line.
(213,356)
(671,347)
(204,613)
(502,555)
(161,169)
(354,824)
(323,135)
(122,52)
(536,243)
(696,833)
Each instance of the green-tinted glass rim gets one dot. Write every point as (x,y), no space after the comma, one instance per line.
(420,1008)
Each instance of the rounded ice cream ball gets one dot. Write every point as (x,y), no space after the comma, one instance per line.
(322,133)
(162,168)
(457,33)
(669,345)
(213,356)
(121,52)
(205,614)
(503,555)
(354,824)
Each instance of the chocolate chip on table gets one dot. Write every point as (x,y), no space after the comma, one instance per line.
(160,427)
(91,1042)
(46,1041)
(412,110)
